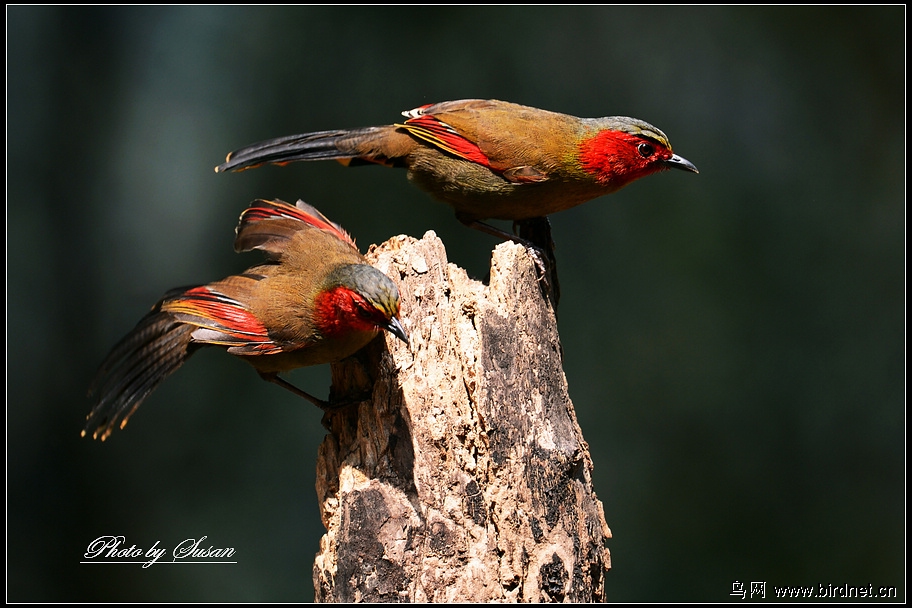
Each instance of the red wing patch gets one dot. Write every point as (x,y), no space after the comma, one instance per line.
(224,321)
(445,137)
(262,210)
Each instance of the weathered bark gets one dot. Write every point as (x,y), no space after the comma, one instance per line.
(466,476)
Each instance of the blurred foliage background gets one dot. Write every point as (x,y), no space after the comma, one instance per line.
(734,340)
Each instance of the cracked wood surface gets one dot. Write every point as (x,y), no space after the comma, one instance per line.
(465,477)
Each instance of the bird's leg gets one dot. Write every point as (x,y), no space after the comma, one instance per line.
(537,231)
(274,378)
(497,232)
(326,406)
(534,235)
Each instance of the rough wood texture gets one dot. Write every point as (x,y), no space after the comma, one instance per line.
(465,477)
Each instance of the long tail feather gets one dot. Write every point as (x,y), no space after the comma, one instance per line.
(380,145)
(321,145)
(151,352)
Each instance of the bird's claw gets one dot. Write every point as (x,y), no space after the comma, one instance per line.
(540,259)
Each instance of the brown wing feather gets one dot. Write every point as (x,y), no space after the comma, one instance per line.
(152,351)
(523,142)
(270,225)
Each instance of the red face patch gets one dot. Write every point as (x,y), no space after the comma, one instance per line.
(340,310)
(616,158)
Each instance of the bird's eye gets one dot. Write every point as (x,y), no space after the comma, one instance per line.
(365,314)
(645,150)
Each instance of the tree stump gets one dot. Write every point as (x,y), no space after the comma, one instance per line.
(465,477)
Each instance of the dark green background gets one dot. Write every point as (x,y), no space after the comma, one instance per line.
(734,340)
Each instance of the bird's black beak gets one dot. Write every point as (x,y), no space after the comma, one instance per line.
(677,162)
(395,328)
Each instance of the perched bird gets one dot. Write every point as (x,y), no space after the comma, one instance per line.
(490,159)
(315,300)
